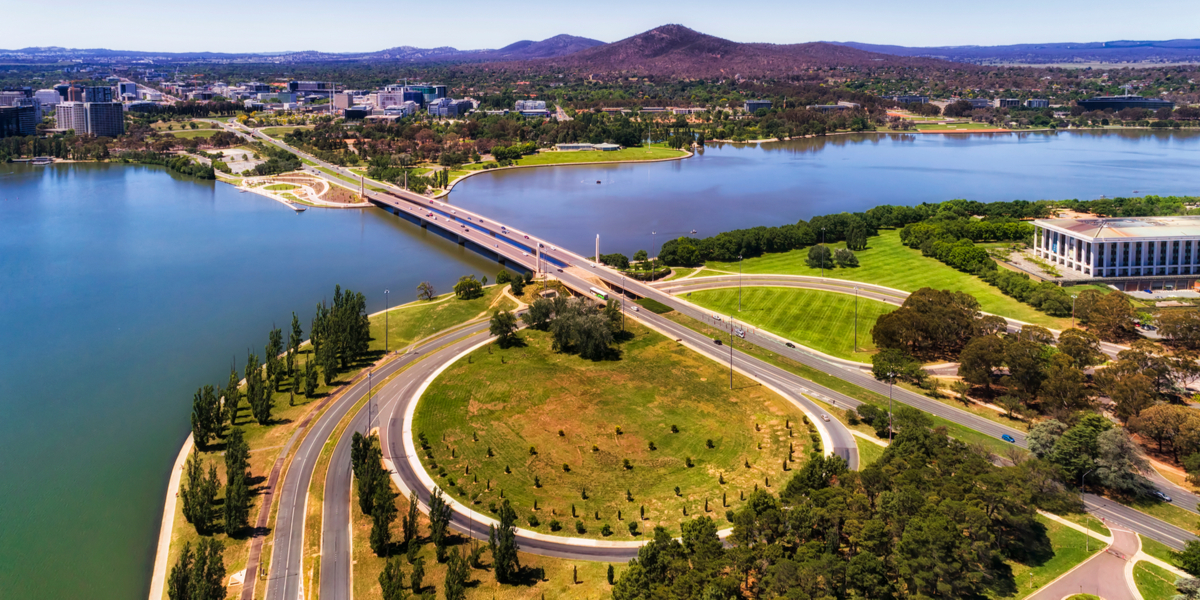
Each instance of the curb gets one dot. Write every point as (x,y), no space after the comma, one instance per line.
(159,578)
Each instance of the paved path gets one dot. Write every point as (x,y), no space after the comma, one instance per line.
(1103,575)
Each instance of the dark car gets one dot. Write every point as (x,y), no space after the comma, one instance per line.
(1161,496)
(789,344)
(1008,438)
(716,341)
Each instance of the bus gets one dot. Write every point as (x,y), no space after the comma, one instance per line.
(599,294)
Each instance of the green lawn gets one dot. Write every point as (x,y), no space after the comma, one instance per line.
(1179,517)
(960,432)
(197,133)
(678,272)
(281,131)
(350,180)
(1153,581)
(1070,548)
(888,263)
(517,398)
(417,320)
(953,126)
(867,452)
(821,320)
(557,158)
(1087,520)
(1159,550)
(280,187)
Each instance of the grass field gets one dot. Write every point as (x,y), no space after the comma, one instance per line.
(280,187)
(544,577)
(818,319)
(1179,517)
(678,272)
(281,131)
(198,133)
(889,263)
(1159,550)
(1087,521)
(1153,581)
(867,452)
(967,435)
(517,400)
(411,322)
(1070,549)
(562,158)
(953,126)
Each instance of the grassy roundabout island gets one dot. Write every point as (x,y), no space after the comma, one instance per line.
(556,429)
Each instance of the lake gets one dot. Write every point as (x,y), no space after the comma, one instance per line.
(731,186)
(124,289)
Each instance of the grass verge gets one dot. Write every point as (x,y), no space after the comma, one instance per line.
(1153,581)
(583,156)
(1069,548)
(654,306)
(1159,550)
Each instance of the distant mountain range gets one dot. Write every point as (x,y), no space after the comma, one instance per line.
(1123,51)
(676,51)
(523,50)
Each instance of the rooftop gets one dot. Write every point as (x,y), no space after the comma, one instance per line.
(1127,227)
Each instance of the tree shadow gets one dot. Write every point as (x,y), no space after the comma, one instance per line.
(528,576)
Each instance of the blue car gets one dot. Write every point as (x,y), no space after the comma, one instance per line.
(1008,438)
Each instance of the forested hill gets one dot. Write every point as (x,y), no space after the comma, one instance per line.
(1124,51)
(679,52)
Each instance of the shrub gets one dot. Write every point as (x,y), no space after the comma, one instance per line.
(606,530)
(633,528)
(628,465)
(709,444)
(674,429)
(653,447)
(579,527)
(677,492)
(566,468)
(688,461)
(533,521)
(555,525)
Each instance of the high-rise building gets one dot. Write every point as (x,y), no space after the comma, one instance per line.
(10,97)
(17,121)
(48,98)
(62,91)
(71,115)
(127,87)
(74,94)
(97,93)
(94,118)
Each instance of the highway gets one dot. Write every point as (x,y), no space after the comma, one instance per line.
(1137,521)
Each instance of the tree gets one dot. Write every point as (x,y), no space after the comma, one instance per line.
(237,492)
(1171,426)
(503,542)
(1181,327)
(418,573)
(896,363)
(1082,346)
(272,351)
(294,340)
(1189,559)
(539,314)
(391,581)
(1112,317)
(517,286)
(1119,463)
(179,583)
(232,397)
(206,416)
(930,323)
(382,515)
(1188,588)
(1063,388)
(207,581)
(819,257)
(310,378)
(961,388)
(199,494)
(468,288)
(259,397)
(457,573)
(504,327)
(640,255)
(411,523)
(980,358)
(1026,360)
(425,291)
(1044,436)
(439,523)
(503,277)
(845,257)
(1131,395)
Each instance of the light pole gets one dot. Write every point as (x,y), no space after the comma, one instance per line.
(822,254)
(731,352)
(368,404)
(622,303)
(856,318)
(739,283)
(1088,538)
(891,380)
(1074,297)
(386,307)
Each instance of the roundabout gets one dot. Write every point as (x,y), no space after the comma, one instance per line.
(604,449)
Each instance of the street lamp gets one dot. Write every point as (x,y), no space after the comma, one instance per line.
(622,302)
(1088,538)
(822,254)
(856,318)
(368,404)
(891,381)
(386,307)
(731,352)
(1074,297)
(739,283)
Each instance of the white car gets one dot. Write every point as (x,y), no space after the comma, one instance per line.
(825,418)
(553,248)
(524,254)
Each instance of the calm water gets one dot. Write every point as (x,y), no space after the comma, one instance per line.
(729,187)
(122,289)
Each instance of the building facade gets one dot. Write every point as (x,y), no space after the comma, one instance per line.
(17,121)
(752,106)
(1009,102)
(1119,248)
(1121,102)
(48,98)
(911,99)
(105,119)
(1037,103)
(97,93)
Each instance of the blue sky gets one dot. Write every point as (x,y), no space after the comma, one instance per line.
(364,25)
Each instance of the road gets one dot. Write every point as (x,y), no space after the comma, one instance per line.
(1138,521)
(1103,575)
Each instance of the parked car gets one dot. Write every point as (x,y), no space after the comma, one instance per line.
(1008,438)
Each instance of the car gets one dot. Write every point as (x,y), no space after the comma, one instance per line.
(454,212)
(526,237)
(717,342)
(825,418)
(560,270)
(1008,438)
(554,248)
(524,254)
(636,309)
(1161,496)
(540,245)
(789,344)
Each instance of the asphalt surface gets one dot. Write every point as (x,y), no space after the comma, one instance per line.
(1137,521)
(335,520)
(1103,575)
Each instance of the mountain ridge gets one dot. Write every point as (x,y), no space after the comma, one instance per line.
(1116,51)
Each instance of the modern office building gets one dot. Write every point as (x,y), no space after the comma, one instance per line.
(105,119)
(1009,103)
(74,94)
(309,87)
(48,98)
(10,97)
(911,99)
(974,102)
(449,107)
(358,112)
(532,108)
(1037,103)
(97,93)
(752,106)
(127,87)
(1125,247)
(17,121)
(1119,102)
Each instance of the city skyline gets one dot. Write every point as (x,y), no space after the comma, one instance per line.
(476,25)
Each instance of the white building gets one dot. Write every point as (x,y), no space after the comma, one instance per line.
(1120,247)
(48,98)
(95,118)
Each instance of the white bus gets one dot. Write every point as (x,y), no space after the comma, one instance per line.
(599,294)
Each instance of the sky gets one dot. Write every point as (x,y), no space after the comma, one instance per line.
(367,25)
